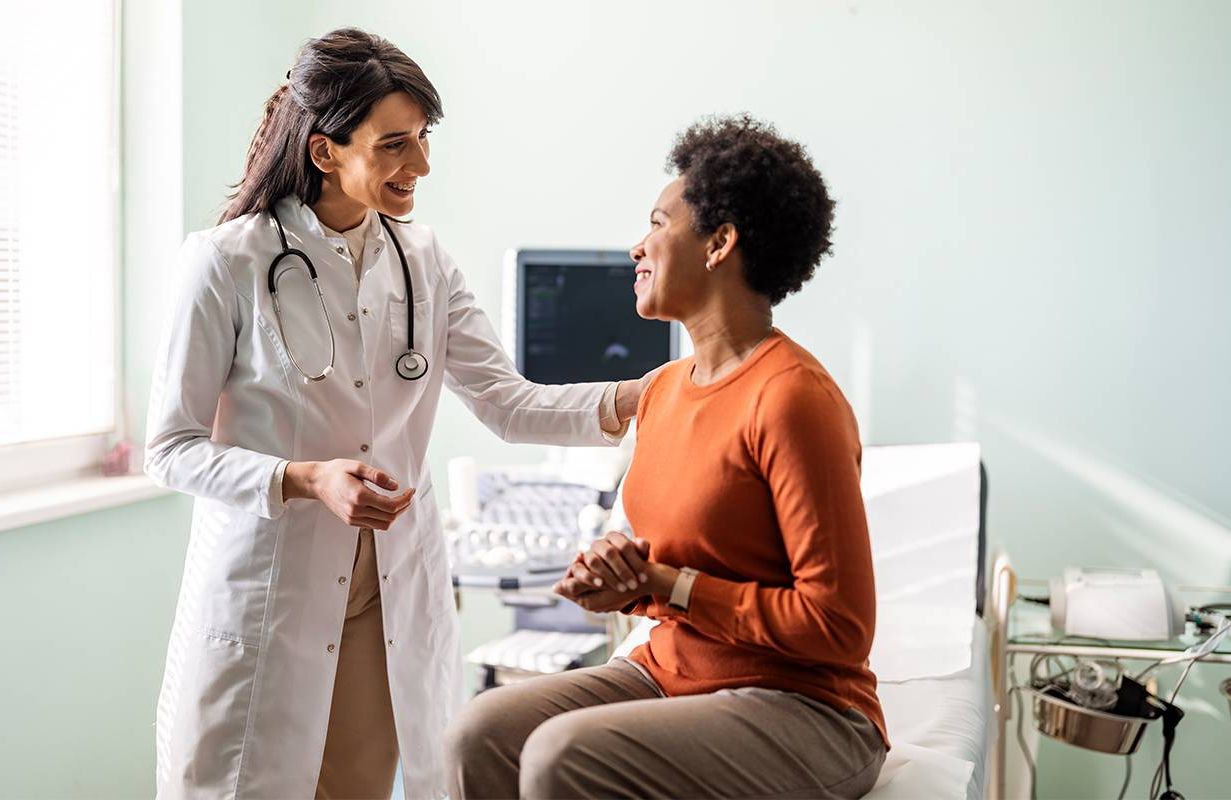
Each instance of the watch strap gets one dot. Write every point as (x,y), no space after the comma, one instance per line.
(681,591)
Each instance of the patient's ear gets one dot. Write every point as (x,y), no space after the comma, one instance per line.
(719,245)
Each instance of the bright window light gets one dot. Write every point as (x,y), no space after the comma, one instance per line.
(58,221)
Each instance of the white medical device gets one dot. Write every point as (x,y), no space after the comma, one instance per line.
(1131,604)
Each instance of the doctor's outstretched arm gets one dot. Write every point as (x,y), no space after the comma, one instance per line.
(480,372)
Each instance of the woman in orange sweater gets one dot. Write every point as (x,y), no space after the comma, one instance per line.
(752,548)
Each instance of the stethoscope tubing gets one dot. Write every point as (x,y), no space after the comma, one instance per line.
(410,365)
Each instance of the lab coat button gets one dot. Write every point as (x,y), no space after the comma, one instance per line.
(377,251)
(364,448)
(342,579)
(330,648)
(391,643)
(385,578)
(340,250)
(358,384)
(351,316)
(365,311)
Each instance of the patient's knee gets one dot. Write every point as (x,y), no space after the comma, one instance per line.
(463,733)
(479,733)
(563,758)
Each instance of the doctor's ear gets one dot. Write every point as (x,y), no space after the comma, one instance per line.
(323,152)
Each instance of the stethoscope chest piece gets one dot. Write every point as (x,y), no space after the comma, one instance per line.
(411,365)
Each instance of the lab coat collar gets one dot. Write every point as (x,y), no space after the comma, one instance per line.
(293,210)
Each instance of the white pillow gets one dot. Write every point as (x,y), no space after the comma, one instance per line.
(922,503)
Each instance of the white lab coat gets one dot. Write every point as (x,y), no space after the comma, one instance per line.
(253,651)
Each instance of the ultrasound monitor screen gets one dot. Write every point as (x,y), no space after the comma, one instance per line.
(579,322)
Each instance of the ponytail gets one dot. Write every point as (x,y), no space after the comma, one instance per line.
(258,141)
(269,170)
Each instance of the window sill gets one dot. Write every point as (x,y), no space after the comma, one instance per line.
(76,496)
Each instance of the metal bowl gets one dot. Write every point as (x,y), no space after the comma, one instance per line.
(1087,727)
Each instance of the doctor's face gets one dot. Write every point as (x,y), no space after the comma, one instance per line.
(387,155)
(670,260)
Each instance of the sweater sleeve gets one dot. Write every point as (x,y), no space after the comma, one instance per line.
(804,438)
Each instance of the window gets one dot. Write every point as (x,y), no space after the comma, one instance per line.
(59,215)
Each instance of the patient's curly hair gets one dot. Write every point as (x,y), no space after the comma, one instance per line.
(739,170)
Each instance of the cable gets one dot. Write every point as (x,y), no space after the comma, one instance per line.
(1021,740)
(1128,776)
(1156,784)
(1180,682)
(1016,690)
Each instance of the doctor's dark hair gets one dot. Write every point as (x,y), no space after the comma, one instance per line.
(335,82)
(739,170)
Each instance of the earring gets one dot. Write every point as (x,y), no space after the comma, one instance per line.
(709,267)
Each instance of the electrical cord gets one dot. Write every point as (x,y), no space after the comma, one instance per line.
(1128,776)
(1016,690)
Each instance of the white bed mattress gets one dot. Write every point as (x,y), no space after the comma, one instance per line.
(941,731)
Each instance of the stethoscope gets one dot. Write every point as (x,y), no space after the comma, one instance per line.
(411,365)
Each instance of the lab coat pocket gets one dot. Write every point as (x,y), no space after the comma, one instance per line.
(436,566)
(230,569)
(399,329)
(207,736)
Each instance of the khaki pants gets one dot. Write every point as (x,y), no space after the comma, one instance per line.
(361,749)
(609,732)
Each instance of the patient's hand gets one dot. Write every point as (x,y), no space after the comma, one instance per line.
(608,576)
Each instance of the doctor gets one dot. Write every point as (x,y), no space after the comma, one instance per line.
(315,639)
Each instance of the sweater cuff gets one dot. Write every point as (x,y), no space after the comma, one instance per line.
(713,606)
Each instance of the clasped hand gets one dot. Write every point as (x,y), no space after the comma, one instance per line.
(614,572)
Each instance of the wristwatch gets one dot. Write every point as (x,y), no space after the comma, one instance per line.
(681,592)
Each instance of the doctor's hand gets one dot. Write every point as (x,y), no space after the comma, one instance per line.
(340,485)
(628,394)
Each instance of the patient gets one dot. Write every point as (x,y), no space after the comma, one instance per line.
(753,547)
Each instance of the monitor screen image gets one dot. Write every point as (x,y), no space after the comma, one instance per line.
(576,318)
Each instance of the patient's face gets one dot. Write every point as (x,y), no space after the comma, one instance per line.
(670,272)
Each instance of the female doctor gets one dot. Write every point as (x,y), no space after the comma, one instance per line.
(315,638)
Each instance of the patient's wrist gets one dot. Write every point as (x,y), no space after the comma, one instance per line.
(661,579)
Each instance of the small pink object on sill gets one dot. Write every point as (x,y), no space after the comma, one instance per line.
(116,461)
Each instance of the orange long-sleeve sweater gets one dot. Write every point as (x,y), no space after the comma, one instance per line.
(754,481)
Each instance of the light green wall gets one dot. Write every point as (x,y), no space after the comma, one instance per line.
(1032,250)
(87,607)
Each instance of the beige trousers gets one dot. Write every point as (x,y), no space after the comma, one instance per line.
(361,750)
(609,732)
